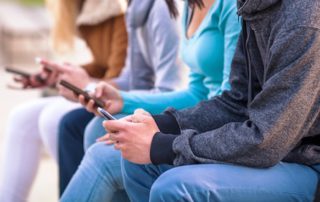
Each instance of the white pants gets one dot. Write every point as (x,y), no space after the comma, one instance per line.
(30,127)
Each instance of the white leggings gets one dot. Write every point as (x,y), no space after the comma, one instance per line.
(30,127)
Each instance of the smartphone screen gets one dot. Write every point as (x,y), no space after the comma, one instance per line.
(105,114)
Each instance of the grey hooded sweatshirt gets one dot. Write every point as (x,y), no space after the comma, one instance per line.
(152,63)
(271,113)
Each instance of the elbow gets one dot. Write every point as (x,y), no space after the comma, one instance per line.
(270,162)
(266,158)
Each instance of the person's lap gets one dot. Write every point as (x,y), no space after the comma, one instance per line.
(100,166)
(101,170)
(219,182)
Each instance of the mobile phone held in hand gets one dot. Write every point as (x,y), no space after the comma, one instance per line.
(25,74)
(79,91)
(105,114)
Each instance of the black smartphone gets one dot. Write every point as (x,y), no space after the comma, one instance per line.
(16,71)
(105,114)
(78,91)
(27,75)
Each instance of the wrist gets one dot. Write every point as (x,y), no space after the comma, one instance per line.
(161,151)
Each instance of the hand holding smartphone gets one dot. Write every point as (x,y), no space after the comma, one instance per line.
(79,91)
(27,75)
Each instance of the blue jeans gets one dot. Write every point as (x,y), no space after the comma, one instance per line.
(219,182)
(94,130)
(70,145)
(99,177)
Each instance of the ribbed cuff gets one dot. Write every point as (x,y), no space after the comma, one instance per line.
(167,123)
(161,149)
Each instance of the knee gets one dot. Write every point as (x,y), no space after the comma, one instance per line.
(20,126)
(168,188)
(93,130)
(178,185)
(132,174)
(48,123)
(103,156)
(130,170)
(66,126)
(20,115)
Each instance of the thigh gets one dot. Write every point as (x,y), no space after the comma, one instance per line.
(219,182)
(50,117)
(94,130)
(49,122)
(138,179)
(101,171)
(20,117)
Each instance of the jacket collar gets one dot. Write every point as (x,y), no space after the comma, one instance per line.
(249,8)
(138,12)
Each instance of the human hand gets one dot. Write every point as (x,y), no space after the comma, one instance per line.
(46,77)
(74,75)
(106,93)
(132,135)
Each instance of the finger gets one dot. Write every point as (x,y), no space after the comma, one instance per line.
(55,66)
(107,104)
(103,138)
(142,112)
(90,106)
(127,118)
(119,137)
(12,87)
(115,125)
(82,100)
(139,118)
(99,90)
(109,142)
(118,146)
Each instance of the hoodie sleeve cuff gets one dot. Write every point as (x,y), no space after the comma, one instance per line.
(167,124)
(161,151)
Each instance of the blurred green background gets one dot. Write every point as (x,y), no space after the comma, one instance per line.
(32,2)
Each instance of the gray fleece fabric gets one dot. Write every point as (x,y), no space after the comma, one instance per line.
(152,64)
(274,103)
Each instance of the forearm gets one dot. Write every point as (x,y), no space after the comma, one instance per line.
(156,103)
(277,118)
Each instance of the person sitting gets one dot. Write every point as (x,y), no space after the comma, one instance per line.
(212,23)
(34,124)
(151,67)
(259,141)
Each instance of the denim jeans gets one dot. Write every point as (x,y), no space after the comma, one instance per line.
(94,130)
(219,182)
(99,177)
(70,145)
